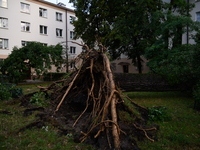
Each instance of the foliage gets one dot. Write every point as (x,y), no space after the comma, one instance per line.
(94,18)
(158,114)
(53,76)
(196,95)
(132,31)
(8,90)
(178,64)
(4,92)
(167,55)
(18,64)
(123,25)
(39,99)
(16,92)
(3,78)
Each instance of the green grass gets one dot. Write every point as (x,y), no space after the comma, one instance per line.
(31,139)
(30,88)
(34,138)
(182,131)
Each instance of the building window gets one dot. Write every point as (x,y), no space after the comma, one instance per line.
(25,26)
(44,44)
(4,3)
(3,43)
(72,35)
(58,32)
(43,29)
(198,16)
(24,43)
(58,16)
(71,65)
(25,8)
(72,50)
(125,68)
(72,19)
(43,12)
(3,22)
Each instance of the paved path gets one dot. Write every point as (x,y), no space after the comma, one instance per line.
(34,82)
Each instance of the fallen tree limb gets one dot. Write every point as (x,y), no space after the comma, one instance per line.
(144,130)
(134,102)
(67,91)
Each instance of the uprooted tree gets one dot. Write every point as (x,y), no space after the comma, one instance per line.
(91,91)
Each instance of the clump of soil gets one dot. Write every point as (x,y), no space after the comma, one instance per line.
(87,104)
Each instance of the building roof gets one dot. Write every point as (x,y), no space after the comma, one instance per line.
(52,4)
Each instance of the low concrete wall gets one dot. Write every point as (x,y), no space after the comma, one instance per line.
(144,82)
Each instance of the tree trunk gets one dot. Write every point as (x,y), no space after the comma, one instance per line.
(113,103)
(139,64)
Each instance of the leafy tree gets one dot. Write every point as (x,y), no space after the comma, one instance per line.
(122,25)
(94,18)
(34,55)
(132,31)
(168,56)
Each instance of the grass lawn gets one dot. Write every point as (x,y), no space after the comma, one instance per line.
(181,132)
(29,88)
(31,139)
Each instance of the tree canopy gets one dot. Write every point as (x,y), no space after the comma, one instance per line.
(34,55)
(124,26)
(168,55)
(131,27)
(94,18)
(132,30)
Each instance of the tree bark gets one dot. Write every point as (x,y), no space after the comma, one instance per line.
(115,132)
(139,64)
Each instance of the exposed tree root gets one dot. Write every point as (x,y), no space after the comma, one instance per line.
(68,89)
(134,102)
(144,130)
(94,89)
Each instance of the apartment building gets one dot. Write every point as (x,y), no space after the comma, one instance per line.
(125,65)
(36,20)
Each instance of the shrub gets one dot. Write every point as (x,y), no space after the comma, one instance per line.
(53,76)
(16,92)
(8,90)
(4,92)
(196,95)
(158,114)
(38,99)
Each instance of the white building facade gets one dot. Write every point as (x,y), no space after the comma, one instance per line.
(35,20)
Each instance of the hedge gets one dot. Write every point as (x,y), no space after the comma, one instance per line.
(53,76)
